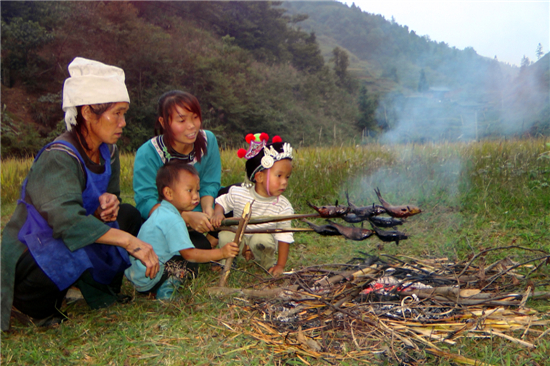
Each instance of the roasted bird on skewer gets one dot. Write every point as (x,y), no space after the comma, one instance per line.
(364,212)
(352,218)
(385,221)
(397,211)
(330,211)
(352,233)
(389,235)
(322,229)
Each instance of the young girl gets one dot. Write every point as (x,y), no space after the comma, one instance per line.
(181,138)
(268,169)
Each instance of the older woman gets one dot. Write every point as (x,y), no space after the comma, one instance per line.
(64,230)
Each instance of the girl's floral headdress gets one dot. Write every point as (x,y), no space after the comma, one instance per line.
(257,143)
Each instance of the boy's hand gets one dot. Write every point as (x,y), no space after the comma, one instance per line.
(230,250)
(198,221)
(216,220)
(277,270)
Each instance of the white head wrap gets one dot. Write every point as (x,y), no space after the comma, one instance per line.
(91,82)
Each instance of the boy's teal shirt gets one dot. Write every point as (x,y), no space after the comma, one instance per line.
(167,233)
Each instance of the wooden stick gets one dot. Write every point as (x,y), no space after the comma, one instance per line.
(247,212)
(266,219)
(510,338)
(286,293)
(267,231)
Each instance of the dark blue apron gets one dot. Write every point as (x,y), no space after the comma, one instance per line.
(61,265)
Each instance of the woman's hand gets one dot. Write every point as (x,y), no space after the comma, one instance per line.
(108,207)
(199,221)
(145,253)
(209,211)
(207,204)
(135,247)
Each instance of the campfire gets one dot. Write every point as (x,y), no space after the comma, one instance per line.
(392,307)
(395,306)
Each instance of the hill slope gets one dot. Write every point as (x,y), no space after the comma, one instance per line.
(394,62)
(314,72)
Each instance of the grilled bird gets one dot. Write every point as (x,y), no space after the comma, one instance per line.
(352,233)
(330,211)
(365,212)
(352,218)
(397,211)
(322,229)
(385,221)
(389,235)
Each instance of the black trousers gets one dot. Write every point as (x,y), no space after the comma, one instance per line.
(37,296)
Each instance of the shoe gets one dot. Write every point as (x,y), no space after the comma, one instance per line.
(73,295)
(49,321)
(52,320)
(123,299)
(167,289)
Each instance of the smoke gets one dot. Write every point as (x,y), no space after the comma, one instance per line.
(421,175)
(434,118)
(490,102)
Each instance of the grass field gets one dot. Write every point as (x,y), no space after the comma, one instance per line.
(474,196)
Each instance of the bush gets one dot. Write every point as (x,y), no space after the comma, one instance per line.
(19,139)
(46,111)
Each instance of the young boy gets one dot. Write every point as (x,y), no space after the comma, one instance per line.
(268,169)
(178,187)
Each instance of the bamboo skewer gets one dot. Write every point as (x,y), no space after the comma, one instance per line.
(266,219)
(247,213)
(266,231)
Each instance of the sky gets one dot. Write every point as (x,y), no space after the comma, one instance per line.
(506,29)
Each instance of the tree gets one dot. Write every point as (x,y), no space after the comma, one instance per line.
(20,41)
(525,62)
(423,83)
(367,110)
(341,63)
(494,76)
(390,72)
(305,51)
(539,51)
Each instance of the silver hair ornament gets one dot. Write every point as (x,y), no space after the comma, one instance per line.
(271,155)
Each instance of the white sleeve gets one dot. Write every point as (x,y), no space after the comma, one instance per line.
(285,237)
(226,201)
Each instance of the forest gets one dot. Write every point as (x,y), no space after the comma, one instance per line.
(313,72)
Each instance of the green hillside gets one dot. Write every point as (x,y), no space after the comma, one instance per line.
(313,72)
(420,85)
